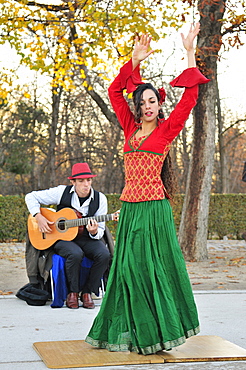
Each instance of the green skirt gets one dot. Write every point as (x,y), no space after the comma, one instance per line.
(148,305)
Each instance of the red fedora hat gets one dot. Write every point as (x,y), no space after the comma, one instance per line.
(81,171)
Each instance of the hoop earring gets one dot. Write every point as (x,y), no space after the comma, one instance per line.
(160,114)
(139,124)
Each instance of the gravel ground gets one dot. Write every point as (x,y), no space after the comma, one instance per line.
(225,268)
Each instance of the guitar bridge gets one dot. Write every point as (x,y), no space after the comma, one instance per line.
(44,235)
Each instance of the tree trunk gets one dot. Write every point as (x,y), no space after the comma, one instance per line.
(33,181)
(56,99)
(223,170)
(194,220)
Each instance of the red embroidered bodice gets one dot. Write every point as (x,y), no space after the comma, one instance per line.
(143,159)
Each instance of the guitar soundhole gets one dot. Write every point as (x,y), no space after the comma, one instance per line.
(61,225)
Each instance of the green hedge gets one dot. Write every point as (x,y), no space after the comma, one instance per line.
(13,218)
(227,216)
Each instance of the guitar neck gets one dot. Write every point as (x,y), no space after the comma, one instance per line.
(85,220)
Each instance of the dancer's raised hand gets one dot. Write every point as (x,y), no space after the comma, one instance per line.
(188,41)
(141,48)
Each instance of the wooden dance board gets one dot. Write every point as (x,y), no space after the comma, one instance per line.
(77,353)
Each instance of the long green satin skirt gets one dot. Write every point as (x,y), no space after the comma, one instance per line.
(148,305)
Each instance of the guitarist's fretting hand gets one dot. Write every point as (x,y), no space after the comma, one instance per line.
(117,215)
(43,223)
(92,227)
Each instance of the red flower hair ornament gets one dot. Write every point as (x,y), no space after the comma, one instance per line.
(163,94)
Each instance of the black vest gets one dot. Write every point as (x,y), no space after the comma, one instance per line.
(67,197)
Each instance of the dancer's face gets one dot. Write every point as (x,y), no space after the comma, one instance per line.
(149,106)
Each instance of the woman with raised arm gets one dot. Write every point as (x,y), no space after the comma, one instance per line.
(149,304)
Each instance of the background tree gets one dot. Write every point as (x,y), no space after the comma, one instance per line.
(194,221)
(234,154)
(62,40)
(21,134)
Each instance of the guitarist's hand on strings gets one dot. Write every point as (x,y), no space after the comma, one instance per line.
(43,223)
(116,215)
(92,227)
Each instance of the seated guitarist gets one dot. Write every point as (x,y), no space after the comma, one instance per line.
(81,197)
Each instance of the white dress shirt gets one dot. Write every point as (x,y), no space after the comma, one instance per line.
(53,196)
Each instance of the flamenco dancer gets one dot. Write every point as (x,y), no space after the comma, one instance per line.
(149,304)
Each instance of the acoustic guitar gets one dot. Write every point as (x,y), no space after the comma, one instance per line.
(67,224)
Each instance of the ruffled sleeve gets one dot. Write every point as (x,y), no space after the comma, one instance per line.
(189,77)
(126,79)
(130,79)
